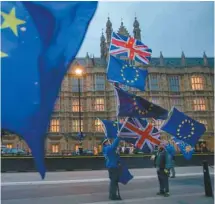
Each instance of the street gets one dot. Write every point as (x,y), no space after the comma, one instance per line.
(90,187)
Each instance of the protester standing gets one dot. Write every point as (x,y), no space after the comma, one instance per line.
(112,163)
(163,164)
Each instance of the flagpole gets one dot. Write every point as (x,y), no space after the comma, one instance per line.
(117,117)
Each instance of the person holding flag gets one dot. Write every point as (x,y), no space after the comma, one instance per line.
(113,166)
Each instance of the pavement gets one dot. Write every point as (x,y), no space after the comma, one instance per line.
(91,187)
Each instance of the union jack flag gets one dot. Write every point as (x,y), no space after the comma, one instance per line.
(141,133)
(130,48)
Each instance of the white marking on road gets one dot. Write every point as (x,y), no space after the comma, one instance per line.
(140,200)
(24,183)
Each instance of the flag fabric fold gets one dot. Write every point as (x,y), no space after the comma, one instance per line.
(130,105)
(121,72)
(125,175)
(110,128)
(39,41)
(140,133)
(183,127)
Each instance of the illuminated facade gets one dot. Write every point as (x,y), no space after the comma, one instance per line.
(186,83)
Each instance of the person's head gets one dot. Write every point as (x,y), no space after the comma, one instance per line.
(106,142)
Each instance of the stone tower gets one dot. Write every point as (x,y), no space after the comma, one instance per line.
(103,46)
(109,31)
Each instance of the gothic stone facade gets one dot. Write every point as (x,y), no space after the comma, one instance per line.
(186,83)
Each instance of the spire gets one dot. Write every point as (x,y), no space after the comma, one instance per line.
(161,59)
(88,60)
(136,30)
(108,30)
(103,49)
(122,30)
(93,60)
(205,59)
(87,56)
(183,59)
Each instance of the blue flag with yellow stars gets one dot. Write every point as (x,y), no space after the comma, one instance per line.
(110,128)
(130,105)
(183,127)
(186,149)
(39,40)
(121,72)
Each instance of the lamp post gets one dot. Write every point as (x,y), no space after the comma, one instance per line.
(79,73)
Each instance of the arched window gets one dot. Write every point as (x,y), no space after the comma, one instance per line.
(199,104)
(197,83)
(98,126)
(54,125)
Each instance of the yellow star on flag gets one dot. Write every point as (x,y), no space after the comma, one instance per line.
(3,54)
(10,21)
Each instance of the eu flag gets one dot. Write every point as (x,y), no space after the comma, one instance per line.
(125,175)
(39,41)
(110,128)
(130,105)
(185,148)
(183,127)
(121,72)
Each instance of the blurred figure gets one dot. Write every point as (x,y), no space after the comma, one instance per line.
(112,163)
(162,163)
(95,151)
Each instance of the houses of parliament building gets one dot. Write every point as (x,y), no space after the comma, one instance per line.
(186,83)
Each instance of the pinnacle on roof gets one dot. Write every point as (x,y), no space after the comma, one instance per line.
(122,30)
(102,36)
(136,23)
(108,24)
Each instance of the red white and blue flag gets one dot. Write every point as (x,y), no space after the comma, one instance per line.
(141,133)
(129,48)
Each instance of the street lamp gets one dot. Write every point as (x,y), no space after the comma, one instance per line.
(79,73)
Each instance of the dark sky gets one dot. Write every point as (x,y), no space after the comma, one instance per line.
(170,27)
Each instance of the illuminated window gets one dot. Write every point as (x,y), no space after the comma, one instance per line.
(99,104)
(157,123)
(55,148)
(100,83)
(203,121)
(75,85)
(75,105)
(153,83)
(174,83)
(9,146)
(75,125)
(199,104)
(55,125)
(197,83)
(98,126)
